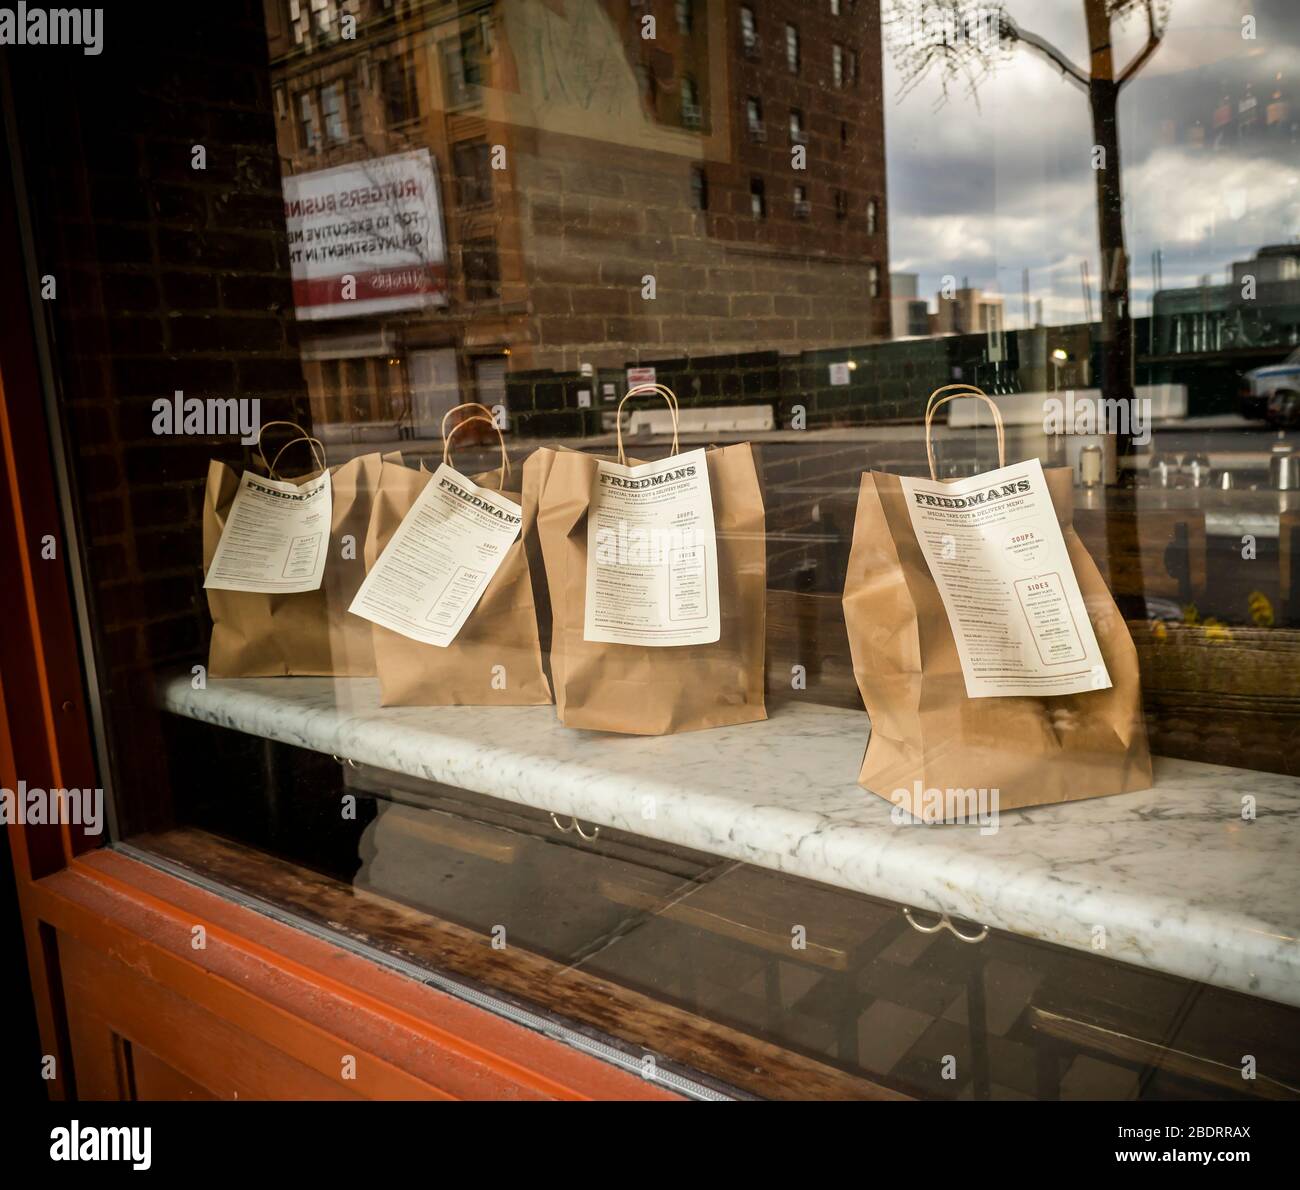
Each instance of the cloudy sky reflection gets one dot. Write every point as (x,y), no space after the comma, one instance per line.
(983,187)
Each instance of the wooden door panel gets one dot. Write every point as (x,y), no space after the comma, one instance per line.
(132,1038)
(153,1079)
(264,1010)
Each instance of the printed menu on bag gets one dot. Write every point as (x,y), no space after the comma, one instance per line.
(440,560)
(276,537)
(995,550)
(652,554)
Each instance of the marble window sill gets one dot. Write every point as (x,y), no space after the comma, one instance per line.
(1179,881)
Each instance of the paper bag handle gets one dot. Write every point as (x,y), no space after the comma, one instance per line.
(932,406)
(970,390)
(483,409)
(317,447)
(659,390)
(501,438)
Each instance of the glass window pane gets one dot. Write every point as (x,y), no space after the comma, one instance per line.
(459,239)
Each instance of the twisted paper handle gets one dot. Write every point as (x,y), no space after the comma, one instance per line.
(955,392)
(317,447)
(659,390)
(501,439)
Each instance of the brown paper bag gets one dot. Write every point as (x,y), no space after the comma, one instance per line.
(926,734)
(635,688)
(308,633)
(496,658)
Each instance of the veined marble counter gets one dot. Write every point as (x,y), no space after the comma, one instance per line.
(1180,882)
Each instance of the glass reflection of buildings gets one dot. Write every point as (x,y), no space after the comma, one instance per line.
(626,157)
(1256,306)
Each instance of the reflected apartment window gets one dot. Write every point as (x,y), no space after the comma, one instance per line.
(748,31)
(308,125)
(802,207)
(685,15)
(352,93)
(872,211)
(397,79)
(692,116)
(482,269)
(462,68)
(331,111)
(835,8)
(873,280)
(757,198)
(844,65)
(472,163)
(792,49)
(699,188)
(754,118)
(797,134)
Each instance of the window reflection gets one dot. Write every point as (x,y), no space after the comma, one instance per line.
(771,209)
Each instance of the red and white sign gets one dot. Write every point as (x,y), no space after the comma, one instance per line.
(367,237)
(637,376)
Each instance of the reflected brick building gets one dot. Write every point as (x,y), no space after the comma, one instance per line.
(616,182)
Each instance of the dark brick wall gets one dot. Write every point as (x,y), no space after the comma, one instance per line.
(810,484)
(168,278)
(597,218)
(891,383)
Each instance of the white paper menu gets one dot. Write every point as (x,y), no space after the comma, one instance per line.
(440,560)
(995,550)
(276,537)
(652,554)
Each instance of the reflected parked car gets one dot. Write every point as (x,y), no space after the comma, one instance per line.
(1273,392)
(1284,403)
